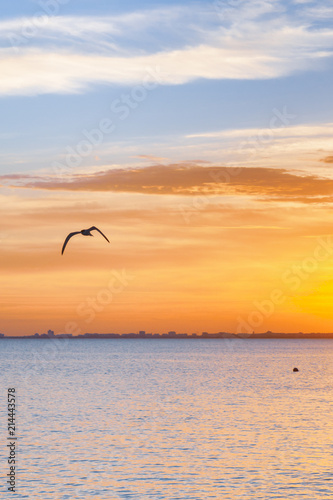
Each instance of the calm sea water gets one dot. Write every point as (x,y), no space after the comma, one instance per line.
(170,419)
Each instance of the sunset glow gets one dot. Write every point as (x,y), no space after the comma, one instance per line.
(218,208)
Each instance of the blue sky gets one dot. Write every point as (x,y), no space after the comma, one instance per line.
(223,65)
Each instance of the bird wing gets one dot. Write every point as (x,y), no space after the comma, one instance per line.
(67,239)
(94,227)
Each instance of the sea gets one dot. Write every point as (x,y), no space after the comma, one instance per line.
(168,419)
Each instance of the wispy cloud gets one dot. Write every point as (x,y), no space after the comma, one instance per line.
(322,130)
(243,45)
(299,147)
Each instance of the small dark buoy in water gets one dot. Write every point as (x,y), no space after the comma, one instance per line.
(295,370)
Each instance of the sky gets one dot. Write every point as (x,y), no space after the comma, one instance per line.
(197,136)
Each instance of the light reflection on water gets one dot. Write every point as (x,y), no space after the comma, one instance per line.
(170,419)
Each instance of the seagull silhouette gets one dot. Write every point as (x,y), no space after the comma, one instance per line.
(85,232)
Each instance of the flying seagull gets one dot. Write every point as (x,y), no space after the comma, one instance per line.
(85,232)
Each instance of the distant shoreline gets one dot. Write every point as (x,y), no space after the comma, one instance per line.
(173,336)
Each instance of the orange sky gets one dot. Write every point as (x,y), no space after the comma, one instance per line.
(193,248)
